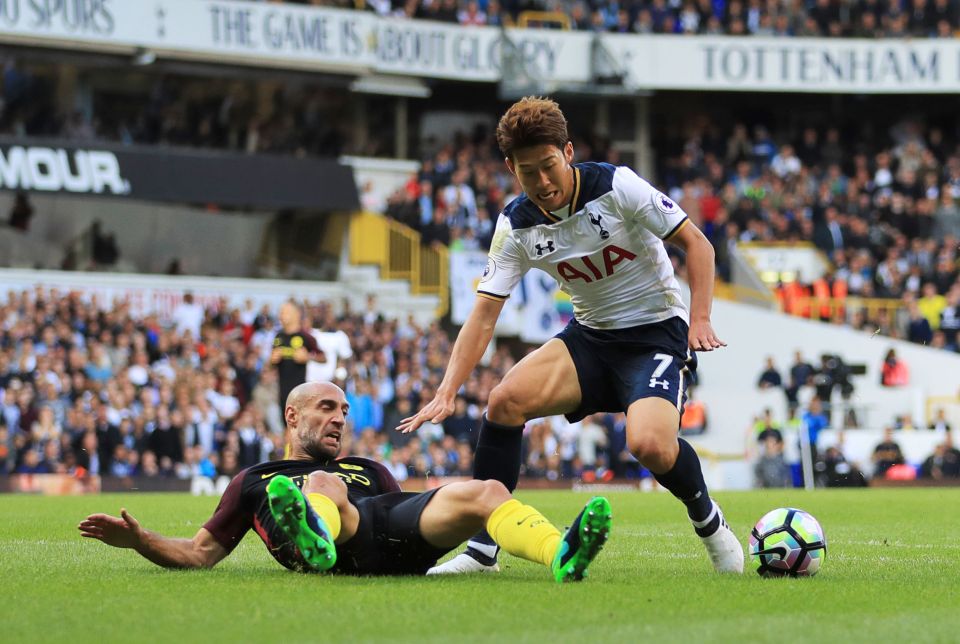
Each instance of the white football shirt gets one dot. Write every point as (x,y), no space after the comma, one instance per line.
(335,345)
(605,249)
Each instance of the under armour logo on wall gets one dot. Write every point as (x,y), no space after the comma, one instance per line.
(546,247)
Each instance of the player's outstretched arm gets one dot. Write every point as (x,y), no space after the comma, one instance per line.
(471,342)
(700,271)
(124,531)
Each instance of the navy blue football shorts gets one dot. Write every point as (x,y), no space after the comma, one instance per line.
(619,366)
(388,539)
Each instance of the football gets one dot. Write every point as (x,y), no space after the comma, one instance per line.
(787,542)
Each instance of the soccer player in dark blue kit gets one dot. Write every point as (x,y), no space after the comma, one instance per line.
(599,230)
(317,513)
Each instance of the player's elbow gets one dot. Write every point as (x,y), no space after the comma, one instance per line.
(205,559)
(205,552)
(701,246)
(485,313)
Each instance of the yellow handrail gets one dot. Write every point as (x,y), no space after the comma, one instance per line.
(434,278)
(537,18)
(397,251)
(811,306)
(739,293)
(939,401)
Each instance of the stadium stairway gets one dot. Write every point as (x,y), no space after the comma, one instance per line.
(392,297)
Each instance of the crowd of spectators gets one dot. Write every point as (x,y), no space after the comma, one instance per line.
(183,110)
(461,187)
(832,374)
(888,217)
(455,198)
(830,464)
(87,387)
(885,209)
(810,399)
(91,389)
(801,18)
(885,212)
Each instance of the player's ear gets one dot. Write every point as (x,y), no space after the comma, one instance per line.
(290,416)
(568,152)
(510,165)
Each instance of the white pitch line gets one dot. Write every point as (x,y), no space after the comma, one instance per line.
(900,544)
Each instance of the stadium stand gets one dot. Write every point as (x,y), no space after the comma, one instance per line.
(884,212)
(822,18)
(886,217)
(119,393)
(110,393)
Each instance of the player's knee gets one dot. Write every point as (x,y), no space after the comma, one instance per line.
(483,497)
(321,482)
(492,495)
(652,451)
(505,405)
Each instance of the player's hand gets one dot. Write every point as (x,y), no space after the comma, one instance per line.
(436,411)
(300,355)
(702,337)
(121,532)
(276,355)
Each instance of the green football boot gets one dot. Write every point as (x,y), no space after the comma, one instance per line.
(306,530)
(583,541)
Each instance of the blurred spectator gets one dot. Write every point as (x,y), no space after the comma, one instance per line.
(918,326)
(801,373)
(21,212)
(950,320)
(931,304)
(939,422)
(813,422)
(694,421)
(6,449)
(771,470)
(334,344)
(31,464)
(104,246)
(886,454)
(944,463)
(188,316)
(894,371)
(438,230)
(770,376)
(292,348)
(765,427)
(592,439)
(461,425)
(833,470)
(622,462)
(398,464)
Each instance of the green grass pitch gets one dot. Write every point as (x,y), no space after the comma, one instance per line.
(892,574)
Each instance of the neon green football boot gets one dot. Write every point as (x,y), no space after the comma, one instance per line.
(583,541)
(306,530)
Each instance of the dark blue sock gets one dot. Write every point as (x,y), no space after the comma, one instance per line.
(497,457)
(685,481)
(498,453)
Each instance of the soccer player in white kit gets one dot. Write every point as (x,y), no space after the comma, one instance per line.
(598,229)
